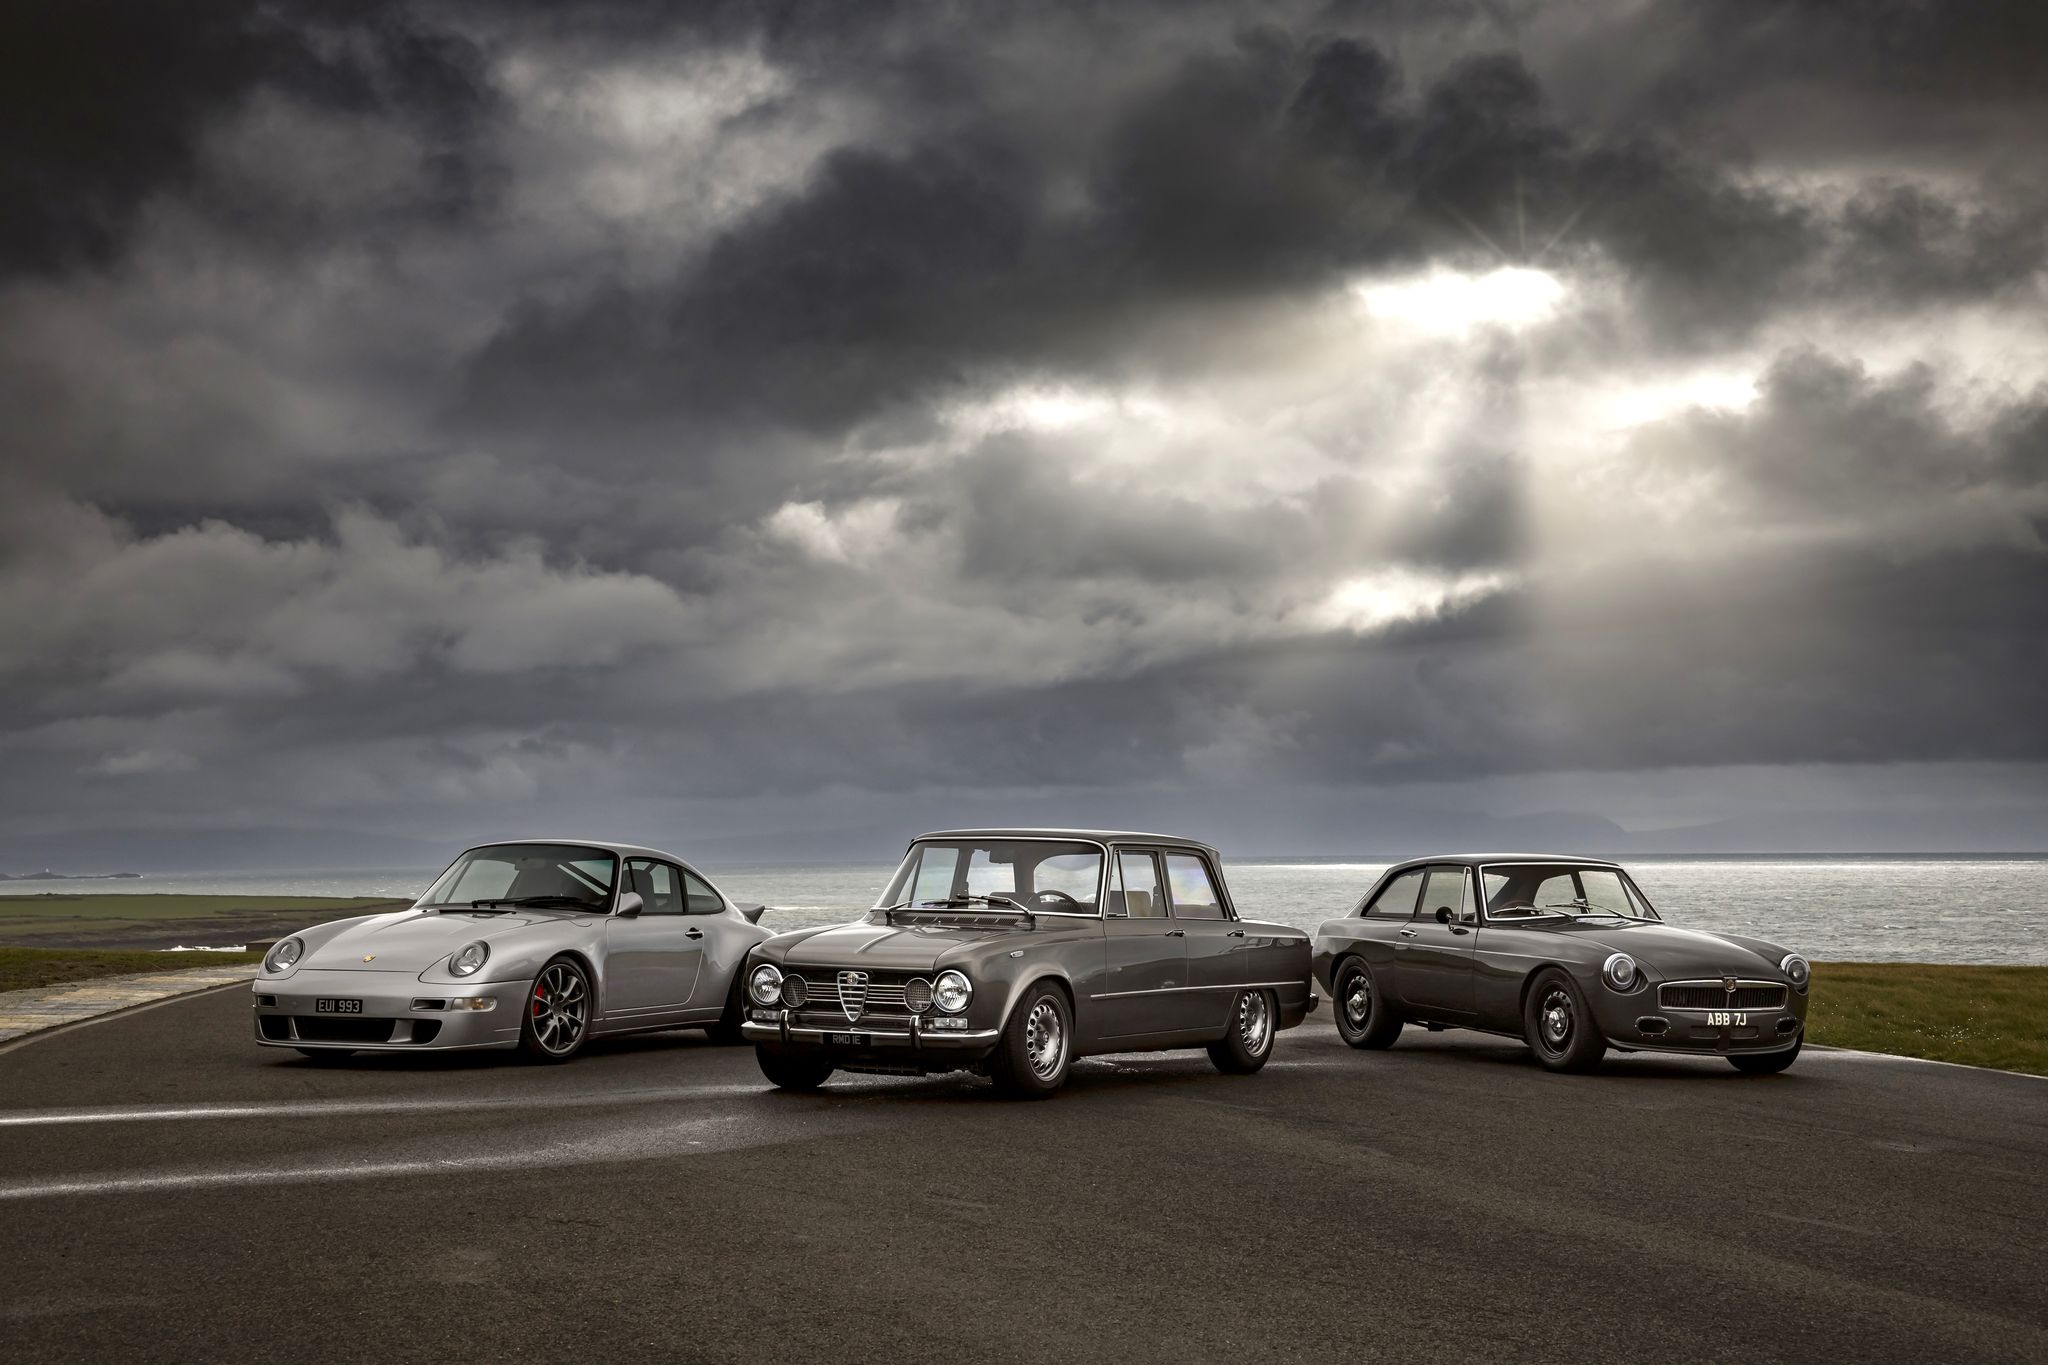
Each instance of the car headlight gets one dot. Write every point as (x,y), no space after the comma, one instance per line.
(1796,971)
(952,991)
(1621,972)
(284,956)
(765,984)
(469,959)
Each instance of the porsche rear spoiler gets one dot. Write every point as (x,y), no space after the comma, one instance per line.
(752,912)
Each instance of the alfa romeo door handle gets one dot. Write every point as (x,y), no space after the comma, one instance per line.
(1176,933)
(1235,933)
(693,933)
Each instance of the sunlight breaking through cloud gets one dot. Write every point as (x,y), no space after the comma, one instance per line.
(1453,302)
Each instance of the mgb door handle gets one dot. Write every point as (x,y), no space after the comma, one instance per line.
(1407,933)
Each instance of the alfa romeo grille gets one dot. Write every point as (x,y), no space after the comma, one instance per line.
(851,994)
(1715,995)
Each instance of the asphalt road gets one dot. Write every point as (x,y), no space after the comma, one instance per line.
(170,1191)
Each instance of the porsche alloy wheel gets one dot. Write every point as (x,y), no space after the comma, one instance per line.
(557,1012)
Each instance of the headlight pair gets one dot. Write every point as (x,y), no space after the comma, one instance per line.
(951,992)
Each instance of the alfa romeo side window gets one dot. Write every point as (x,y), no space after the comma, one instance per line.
(1134,887)
(1398,899)
(1194,894)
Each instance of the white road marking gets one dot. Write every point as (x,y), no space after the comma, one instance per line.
(344,1108)
(692,1137)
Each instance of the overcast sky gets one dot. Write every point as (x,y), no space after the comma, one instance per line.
(1322,427)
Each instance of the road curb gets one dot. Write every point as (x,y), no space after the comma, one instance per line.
(28,1015)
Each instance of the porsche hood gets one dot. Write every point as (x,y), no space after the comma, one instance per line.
(414,940)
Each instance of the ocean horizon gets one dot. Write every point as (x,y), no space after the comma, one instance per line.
(1875,907)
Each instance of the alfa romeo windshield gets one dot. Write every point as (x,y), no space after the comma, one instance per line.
(1543,890)
(542,876)
(1000,875)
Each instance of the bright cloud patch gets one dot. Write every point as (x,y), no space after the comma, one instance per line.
(1452,303)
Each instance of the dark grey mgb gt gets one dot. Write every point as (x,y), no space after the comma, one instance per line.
(1013,951)
(1565,953)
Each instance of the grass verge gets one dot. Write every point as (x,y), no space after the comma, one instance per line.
(1980,1016)
(23,969)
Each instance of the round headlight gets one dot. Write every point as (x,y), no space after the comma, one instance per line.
(1796,971)
(1621,972)
(468,959)
(765,985)
(284,956)
(952,991)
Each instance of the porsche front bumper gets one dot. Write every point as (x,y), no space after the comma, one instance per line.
(399,1012)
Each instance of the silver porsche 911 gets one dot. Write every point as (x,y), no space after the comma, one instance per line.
(538,945)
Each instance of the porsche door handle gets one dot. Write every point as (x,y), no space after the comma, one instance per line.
(693,933)
(1407,933)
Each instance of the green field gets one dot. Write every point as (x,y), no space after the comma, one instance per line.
(26,968)
(151,920)
(1980,1016)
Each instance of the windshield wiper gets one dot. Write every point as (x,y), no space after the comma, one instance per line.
(961,903)
(539,902)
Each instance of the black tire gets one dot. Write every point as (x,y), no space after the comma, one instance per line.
(326,1056)
(726,1032)
(1374,1024)
(794,1070)
(1249,1041)
(1558,1024)
(1766,1063)
(555,1020)
(1037,1047)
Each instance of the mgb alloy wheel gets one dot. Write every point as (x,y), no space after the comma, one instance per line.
(1248,1042)
(1365,1018)
(1558,1026)
(557,1015)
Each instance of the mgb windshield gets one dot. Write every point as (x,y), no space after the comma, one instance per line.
(1538,890)
(1040,875)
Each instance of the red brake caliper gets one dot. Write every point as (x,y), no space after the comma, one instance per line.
(540,999)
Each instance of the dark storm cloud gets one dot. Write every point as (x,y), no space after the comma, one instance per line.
(438,407)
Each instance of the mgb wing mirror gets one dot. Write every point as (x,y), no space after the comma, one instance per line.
(1443,914)
(630,903)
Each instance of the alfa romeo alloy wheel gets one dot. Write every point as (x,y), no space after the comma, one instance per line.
(1248,1039)
(1031,1058)
(1045,1040)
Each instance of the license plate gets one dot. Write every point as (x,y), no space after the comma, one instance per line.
(850,1039)
(327,1004)
(1728,1018)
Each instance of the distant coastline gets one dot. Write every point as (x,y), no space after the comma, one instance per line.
(48,876)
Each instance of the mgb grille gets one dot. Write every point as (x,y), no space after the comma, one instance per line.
(1717,995)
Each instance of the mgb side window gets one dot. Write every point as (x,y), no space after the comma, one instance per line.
(1398,899)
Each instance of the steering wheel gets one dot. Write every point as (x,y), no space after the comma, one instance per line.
(1043,896)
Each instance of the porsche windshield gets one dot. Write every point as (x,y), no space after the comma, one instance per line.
(1548,890)
(507,876)
(1039,875)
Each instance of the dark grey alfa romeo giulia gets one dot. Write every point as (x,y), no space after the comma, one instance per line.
(1013,951)
(1565,953)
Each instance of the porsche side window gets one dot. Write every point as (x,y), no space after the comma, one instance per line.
(657,885)
(1134,887)
(1399,898)
(698,897)
(1194,894)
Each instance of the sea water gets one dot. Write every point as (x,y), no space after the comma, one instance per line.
(1836,908)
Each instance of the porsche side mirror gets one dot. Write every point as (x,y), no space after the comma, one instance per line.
(1443,914)
(630,904)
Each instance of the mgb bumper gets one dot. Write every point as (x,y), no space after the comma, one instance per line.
(385,1012)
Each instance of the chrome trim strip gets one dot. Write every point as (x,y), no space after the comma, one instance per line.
(1176,990)
(787,1032)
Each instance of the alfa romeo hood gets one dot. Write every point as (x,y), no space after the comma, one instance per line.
(902,947)
(412,940)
